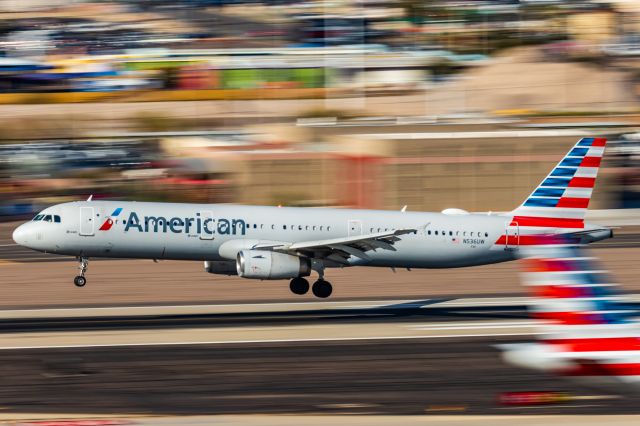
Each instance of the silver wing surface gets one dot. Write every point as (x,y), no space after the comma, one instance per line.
(341,249)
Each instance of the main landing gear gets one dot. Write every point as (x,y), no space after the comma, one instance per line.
(80,280)
(320,288)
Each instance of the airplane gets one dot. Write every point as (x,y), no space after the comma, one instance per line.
(588,331)
(272,243)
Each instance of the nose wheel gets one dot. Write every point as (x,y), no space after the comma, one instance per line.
(80,280)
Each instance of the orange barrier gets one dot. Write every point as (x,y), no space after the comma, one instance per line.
(164,95)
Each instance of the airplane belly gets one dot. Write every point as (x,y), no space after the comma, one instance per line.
(442,255)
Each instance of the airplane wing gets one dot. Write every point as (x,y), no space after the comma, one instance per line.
(341,249)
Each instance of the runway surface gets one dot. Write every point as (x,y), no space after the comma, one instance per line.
(438,376)
(360,357)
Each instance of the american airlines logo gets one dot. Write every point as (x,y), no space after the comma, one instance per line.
(108,223)
(179,225)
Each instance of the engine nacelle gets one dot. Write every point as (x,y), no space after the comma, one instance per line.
(269,265)
(220,267)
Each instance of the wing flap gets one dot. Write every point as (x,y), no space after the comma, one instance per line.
(389,237)
(341,249)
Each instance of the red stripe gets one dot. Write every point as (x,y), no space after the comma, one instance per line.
(598,344)
(591,162)
(580,203)
(597,369)
(558,292)
(582,182)
(599,142)
(529,240)
(548,222)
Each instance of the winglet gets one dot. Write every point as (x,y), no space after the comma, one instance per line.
(90,197)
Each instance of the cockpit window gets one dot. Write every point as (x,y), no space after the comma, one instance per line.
(56,219)
(47,218)
(38,217)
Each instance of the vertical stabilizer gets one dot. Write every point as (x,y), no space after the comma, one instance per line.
(562,198)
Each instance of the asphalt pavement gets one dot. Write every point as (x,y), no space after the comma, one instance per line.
(448,376)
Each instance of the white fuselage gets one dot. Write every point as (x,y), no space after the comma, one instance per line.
(203,231)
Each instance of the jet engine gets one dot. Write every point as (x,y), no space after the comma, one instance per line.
(269,265)
(224,267)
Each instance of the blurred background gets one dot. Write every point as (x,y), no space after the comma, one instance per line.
(369,104)
(376,104)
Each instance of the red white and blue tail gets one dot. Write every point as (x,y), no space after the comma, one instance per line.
(562,199)
(588,329)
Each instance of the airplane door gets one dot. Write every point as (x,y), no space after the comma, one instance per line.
(512,233)
(87,221)
(207,225)
(355,228)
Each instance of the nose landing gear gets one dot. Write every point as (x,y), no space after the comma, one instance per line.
(80,280)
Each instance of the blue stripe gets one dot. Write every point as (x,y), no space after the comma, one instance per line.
(548,192)
(541,202)
(116,212)
(578,152)
(571,162)
(556,182)
(585,142)
(563,171)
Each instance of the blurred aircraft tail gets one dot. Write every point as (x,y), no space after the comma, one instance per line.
(588,328)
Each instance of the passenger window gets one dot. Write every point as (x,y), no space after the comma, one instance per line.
(450,233)
(306,227)
(321,227)
(464,233)
(328,228)
(284,226)
(255,226)
(486,234)
(314,227)
(457,232)
(471,233)
(47,218)
(56,219)
(429,232)
(436,232)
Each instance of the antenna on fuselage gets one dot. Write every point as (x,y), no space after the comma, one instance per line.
(90,197)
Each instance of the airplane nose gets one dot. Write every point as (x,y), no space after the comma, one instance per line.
(20,235)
